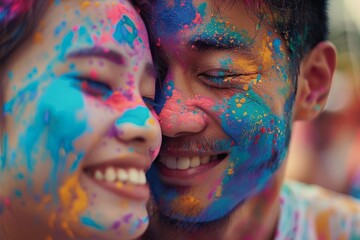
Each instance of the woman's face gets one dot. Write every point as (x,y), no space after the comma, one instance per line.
(78,136)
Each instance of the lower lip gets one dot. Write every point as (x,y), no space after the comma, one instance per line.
(188,177)
(135,192)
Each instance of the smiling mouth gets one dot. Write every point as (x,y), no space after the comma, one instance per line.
(117,175)
(184,163)
(125,182)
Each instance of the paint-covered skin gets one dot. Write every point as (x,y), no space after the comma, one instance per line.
(225,108)
(78,135)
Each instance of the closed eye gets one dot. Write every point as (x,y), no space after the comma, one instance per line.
(95,88)
(223,79)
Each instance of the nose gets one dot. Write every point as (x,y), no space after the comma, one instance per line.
(181,113)
(138,126)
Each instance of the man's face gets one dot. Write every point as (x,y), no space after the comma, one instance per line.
(225,107)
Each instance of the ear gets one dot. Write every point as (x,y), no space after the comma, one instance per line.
(314,81)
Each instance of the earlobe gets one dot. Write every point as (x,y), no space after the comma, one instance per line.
(314,81)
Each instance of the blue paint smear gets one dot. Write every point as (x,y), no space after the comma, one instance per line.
(87,221)
(202,9)
(65,45)
(10,75)
(278,54)
(4,147)
(137,116)
(122,34)
(162,92)
(59,28)
(55,122)
(173,19)
(76,163)
(17,193)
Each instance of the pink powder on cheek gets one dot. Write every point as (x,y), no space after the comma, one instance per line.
(120,102)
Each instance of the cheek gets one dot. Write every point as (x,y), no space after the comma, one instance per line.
(257,134)
(51,122)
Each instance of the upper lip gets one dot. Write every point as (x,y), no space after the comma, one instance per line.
(126,160)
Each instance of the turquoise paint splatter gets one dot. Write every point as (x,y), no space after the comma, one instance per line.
(10,75)
(59,28)
(202,9)
(3,152)
(218,33)
(226,63)
(76,163)
(91,223)
(17,193)
(122,34)
(137,116)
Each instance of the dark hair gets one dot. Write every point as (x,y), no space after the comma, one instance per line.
(301,23)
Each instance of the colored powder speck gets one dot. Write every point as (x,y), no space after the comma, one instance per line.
(91,223)
(3,153)
(59,28)
(226,63)
(10,75)
(127,217)
(116,225)
(85,4)
(135,226)
(20,176)
(17,193)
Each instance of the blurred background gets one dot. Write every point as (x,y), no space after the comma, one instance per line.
(326,151)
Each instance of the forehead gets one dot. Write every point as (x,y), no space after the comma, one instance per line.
(223,21)
(103,22)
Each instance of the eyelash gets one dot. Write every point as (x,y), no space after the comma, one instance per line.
(221,81)
(95,88)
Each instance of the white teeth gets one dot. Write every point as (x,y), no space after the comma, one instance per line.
(194,162)
(183,163)
(99,175)
(142,177)
(171,163)
(110,174)
(204,159)
(122,175)
(133,176)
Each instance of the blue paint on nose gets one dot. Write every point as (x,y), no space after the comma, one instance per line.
(137,116)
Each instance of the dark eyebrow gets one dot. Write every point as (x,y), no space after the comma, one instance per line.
(97,51)
(213,44)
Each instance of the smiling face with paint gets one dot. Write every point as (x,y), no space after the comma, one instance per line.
(226,109)
(77,134)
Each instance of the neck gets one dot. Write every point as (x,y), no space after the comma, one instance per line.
(256,219)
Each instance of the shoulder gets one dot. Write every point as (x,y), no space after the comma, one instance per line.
(313,212)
